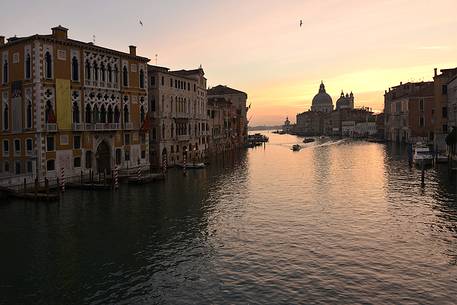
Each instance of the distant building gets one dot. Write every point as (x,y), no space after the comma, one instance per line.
(179,129)
(452,103)
(322,102)
(227,118)
(70,106)
(323,120)
(309,123)
(287,126)
(440,106)
(408,112)
(345,101)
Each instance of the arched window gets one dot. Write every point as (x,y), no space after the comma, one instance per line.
(5,71)
(88,114)
(96,115)
(48,65)
(95,71)
(172,130)
(110,114)
(75,112)
(103,114)
(117,115)
(125,75)
(28,67)
(142,114)
(110,75)
(163,131)
(126,114)
(88,76)
(75,69)
(141,78)
(115,76)
(102,72)
(29,115)
(49,114)
(5,117)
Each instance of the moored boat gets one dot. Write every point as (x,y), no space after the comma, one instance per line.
(193,165)
(308,140)
(422,155)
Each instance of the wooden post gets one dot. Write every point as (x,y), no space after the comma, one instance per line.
(37,185)
(423,174)
(81,177)
(25,185)
(46,184)
(104,176)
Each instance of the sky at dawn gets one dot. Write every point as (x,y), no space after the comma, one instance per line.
(259,46)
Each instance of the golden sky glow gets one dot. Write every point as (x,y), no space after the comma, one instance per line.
(258,47)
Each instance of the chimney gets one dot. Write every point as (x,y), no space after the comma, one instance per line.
(436,71)
(2,40)
(132,50)
(401,83)
(59,32)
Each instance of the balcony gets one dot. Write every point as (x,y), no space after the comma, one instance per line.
(107,126)
(78,127)
(51,127)
(128,126)
(89,126)
(183,138)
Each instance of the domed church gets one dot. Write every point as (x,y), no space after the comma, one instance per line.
(345,101)
(322,102)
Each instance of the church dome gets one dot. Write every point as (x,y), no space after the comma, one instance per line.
(345,101)
(322,101)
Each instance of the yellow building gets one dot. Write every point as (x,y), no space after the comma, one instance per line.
(72,105)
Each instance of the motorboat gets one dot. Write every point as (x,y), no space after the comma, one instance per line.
(296,147)
(422,155)
(308,140)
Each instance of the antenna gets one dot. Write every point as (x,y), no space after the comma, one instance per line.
(156,58)
(93,38)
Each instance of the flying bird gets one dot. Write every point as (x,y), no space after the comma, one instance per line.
(141,23)
(301,23)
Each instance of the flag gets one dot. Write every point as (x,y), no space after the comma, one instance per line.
(146,124)
(51,117)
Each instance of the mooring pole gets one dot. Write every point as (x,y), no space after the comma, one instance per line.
(423,174)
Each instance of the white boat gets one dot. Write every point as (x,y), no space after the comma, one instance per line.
(442,158)
(296,147)
(422,155)
(193,165)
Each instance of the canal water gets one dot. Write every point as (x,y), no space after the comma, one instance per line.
(337,222)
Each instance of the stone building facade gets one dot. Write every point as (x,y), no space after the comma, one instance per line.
(179,127)
(69,104)
(408,110)
(440,106)
(227,118)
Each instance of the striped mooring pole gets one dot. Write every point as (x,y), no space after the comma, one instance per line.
(139,173)
(116,179)
(62,179)
(164,165)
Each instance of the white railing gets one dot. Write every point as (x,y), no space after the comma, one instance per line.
(128,126)
(183,138)
(107,126)
(52,127)
(78,126)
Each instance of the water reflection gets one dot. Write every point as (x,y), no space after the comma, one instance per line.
(337,222)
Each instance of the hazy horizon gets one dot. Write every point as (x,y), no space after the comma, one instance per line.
(259,47)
